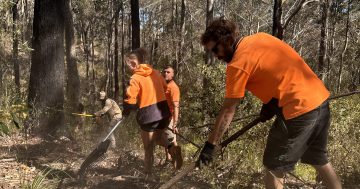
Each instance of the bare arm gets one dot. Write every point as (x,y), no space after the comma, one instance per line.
(176,115)
(105,108)
(223,120)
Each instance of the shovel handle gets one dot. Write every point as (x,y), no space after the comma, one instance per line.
(177,177)
(192,166)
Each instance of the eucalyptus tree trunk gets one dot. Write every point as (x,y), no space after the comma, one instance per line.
(109,57)
(73,80)
(16,46)
(46,87)
(85,40)
(277,28)
(123,82)
(116,50)
(324,4)
(135,24)
(347,27)
(174,18)
(181,51)
(209,58)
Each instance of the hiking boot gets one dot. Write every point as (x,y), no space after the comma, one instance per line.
(175,152)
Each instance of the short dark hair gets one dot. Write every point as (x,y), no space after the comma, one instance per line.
(139,53)
(168,66)
(220,29)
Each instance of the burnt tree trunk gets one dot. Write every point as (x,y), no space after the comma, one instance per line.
(16,46)
(277,28)
(46,87)
(135,24)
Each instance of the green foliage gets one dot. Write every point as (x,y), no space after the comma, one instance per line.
(4,129)
(344,137)
(39,182)
(12,118)
(305,172)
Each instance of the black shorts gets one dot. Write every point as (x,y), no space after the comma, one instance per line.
(302,138)
(151,127)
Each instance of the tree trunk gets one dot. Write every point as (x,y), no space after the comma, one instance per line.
(46,87)
(135,23)
(116,51)
(277,29)
(182,36)
(122,52)
(73,80)
(174,17)
(15,47)
(209,58)
(109,61)
(347,27)
(323,38)
(86,48)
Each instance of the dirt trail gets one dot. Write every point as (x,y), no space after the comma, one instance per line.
(23,161)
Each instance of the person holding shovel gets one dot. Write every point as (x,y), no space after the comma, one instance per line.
(147,90)
(275,73)
(113,112)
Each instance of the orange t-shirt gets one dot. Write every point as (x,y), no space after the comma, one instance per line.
(269,68)
(146,86)
(172,94)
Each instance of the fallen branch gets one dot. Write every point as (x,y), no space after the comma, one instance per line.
(234,120)
(7,160)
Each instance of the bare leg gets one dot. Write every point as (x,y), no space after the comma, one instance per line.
(167,154)
(274,179)
(149,144)
(328,176)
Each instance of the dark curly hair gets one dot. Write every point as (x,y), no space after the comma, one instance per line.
(140,53)
(220,29)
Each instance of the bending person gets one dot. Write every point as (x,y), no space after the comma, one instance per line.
(275,73)
(113,112)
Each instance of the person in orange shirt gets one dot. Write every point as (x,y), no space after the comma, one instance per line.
(173,98)
(147,91)
(275,73)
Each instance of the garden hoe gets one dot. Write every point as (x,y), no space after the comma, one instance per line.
(96,154)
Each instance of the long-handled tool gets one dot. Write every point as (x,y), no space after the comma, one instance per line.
(97,153)
(71,113)
(181,136)
(192,166)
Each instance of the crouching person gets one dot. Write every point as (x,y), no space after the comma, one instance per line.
(113,112)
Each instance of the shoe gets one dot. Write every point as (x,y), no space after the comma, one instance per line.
(175,152)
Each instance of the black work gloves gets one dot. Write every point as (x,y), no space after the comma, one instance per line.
(206,155)
(269,109)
